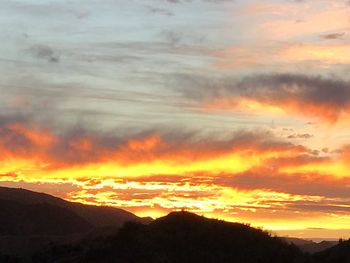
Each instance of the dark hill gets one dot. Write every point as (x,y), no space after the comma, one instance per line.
(337,254)
(30,221)
(97,216)
(61,231)
(39,219)
(310,246)
(181,237)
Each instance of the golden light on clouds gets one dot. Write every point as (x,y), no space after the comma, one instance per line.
(326,54)
(154,174)
(283,108)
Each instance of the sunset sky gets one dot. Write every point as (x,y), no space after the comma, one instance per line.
(232,109)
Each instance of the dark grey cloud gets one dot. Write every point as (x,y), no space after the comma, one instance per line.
(45,53)
(343,208)
(173,37)
(300,136)
(297,184)
(323,97)
(333,36)
(160,11)
(274,87)
(183,40)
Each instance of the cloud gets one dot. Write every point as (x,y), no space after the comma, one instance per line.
(45,53)
(21,137)
(160,11)
(172,37)
(318,20)
(310,184)
(325,54)
(174,1)
(319,207)
(333,36)
(300,136)
(303,95)
(274,54)
(53,10)
(247,173)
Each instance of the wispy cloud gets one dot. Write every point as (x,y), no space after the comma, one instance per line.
(333,36)
(44,52)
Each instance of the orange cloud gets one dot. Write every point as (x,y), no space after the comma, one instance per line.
(248,177)
(326,54)
(283,55)
(284,108)
(144,143)
(336,166)
(83,156)
(39,137)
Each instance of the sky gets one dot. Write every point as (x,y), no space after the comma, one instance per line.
(232,109)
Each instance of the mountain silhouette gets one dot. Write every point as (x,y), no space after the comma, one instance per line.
(36,227)
(188,238)
(180,237)
(310,246)
(97,216)
(39,219)
(29,221)
(336,254)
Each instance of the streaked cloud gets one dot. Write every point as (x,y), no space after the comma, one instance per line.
(331,54)
(319,19)
(300,136)
(303,95)
(332,36)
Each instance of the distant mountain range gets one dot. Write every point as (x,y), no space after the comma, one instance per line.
(310,246)
(36,227)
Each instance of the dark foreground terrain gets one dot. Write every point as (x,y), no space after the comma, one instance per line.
(69,235)
(185,237)
(30,221)
(180,237)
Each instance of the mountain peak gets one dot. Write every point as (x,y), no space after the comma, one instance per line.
(182,215)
